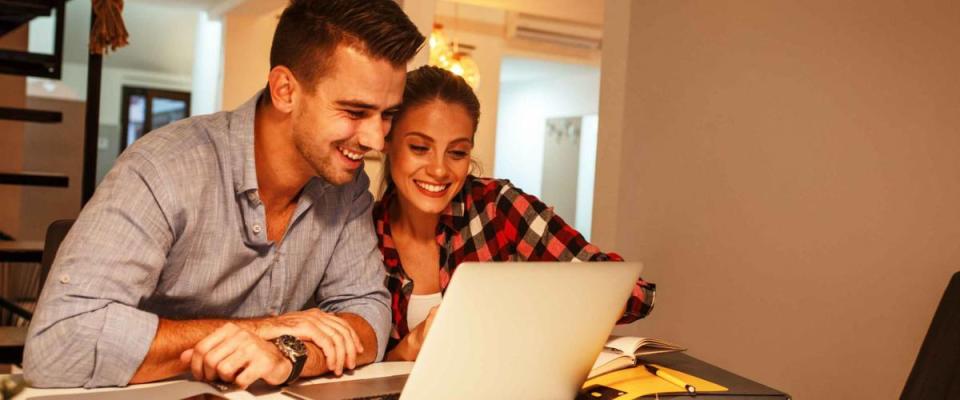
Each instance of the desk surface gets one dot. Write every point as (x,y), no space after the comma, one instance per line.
(257,391)
(678,361)
(740,388)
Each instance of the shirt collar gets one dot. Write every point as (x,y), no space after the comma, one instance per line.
(242,121)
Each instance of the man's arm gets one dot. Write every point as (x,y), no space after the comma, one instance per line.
(87,330)
(239,352)
(354,278)
(172,339)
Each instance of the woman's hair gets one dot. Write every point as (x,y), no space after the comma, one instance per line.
(429,83)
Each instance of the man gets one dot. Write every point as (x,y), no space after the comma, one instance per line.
(239,245)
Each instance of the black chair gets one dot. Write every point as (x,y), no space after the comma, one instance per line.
(936,373)
(12,338)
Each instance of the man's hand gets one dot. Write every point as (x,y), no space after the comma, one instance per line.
(238,355)
(335,337)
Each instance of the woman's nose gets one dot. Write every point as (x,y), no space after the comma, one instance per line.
(438,169)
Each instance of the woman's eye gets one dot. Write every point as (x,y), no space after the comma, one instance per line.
(459,154)
(418,149)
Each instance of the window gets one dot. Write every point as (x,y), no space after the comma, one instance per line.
(146,109)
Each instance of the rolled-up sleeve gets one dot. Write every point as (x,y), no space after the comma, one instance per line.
(87,330)
(353,282)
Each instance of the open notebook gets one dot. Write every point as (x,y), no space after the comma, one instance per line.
(622,352)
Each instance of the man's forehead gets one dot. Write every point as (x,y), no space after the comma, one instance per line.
(357,79)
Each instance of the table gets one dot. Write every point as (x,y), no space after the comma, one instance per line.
(740,388)
(257,391)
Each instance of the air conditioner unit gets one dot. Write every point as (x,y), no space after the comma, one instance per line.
(554,31)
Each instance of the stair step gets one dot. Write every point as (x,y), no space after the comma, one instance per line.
(15,62)
(14,13)
(21,114)
(34,179)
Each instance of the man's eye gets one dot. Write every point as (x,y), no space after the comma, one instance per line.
(388,116)
(356,114)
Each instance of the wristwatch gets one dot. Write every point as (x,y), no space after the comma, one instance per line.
(296,351)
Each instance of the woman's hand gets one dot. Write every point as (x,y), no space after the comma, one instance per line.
(409,346)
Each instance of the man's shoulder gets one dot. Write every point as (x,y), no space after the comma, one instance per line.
(174,140)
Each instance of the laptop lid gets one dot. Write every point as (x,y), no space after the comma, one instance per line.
(526,330)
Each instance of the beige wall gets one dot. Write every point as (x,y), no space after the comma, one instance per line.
(790,175)
(246,54)
(55,148)
(13,94)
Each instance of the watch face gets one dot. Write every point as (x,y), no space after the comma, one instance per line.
(295,345)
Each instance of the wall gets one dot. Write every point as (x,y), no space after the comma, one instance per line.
(559,185)
(246,61)
(11,136)
(524,109)
(53,148)
(790,173)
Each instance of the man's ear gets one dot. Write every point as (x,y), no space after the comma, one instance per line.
(283,89)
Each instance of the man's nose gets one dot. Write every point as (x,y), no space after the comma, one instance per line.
(370,134)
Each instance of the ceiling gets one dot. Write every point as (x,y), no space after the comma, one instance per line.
(161,36)
(190,4)
(517,69)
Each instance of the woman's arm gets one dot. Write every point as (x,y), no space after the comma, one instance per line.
(538,234)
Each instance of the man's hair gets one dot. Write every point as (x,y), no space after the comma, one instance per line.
(309,32)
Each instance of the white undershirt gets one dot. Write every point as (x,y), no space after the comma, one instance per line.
(419,307)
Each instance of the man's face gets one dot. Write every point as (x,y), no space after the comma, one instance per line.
(347,115)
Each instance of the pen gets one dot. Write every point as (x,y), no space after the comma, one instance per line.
(670,378)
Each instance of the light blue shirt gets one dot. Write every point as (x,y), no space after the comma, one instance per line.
(176,230)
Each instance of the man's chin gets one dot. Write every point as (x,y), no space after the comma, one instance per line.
(339,178)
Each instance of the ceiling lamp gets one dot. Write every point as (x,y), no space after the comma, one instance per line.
(463,65)
(440,53)
(447,55)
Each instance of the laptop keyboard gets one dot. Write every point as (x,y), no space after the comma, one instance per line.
(388,396)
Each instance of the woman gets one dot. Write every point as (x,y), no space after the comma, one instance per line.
(435,215)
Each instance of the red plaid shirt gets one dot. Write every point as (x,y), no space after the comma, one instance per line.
(524,228)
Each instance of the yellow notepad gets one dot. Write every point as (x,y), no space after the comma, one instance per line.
(637,381)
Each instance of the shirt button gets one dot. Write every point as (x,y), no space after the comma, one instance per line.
(257,229)
(64,278)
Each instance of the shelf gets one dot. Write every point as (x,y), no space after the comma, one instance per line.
(34,179)
(20,114)
(14,14)
(28,64)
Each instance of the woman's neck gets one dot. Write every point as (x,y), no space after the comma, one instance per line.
(408,220)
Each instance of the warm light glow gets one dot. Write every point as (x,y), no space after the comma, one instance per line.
(466,67)
(440,53)
(443,55)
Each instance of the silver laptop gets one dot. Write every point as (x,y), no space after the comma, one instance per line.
(527,330)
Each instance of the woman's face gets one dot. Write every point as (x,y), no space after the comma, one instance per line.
(429,152)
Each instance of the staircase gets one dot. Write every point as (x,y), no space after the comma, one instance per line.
(13,15)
